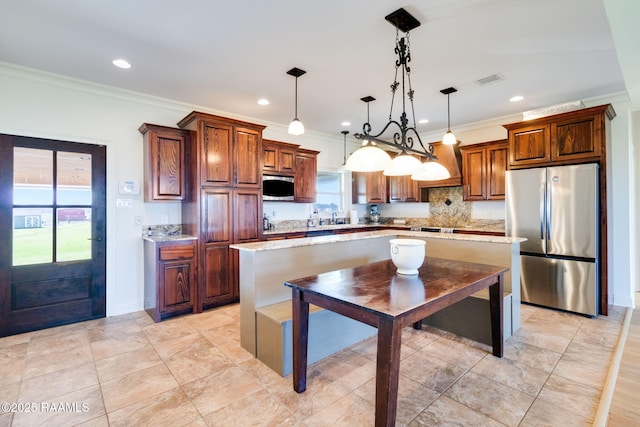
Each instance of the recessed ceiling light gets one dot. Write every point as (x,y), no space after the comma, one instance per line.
(423,121)
(263,101)
(516,98)
(346,123)
(121,63)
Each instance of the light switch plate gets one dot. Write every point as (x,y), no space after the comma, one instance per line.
(129,187)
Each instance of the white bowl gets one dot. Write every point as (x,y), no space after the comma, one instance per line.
(407,255)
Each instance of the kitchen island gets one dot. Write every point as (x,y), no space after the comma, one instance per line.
(265,303)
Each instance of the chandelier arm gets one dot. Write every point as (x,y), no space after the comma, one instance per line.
(425,152)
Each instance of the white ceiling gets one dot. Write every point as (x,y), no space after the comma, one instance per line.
(225,55)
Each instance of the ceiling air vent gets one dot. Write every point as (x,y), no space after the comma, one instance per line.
(490,79)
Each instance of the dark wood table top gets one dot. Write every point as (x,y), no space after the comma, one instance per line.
(377,287)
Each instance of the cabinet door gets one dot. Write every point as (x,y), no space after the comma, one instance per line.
(577,139)
(287,160)
(411,190)
(248,152)
(396,193)
(216,206)
(358,188)
(164,163)
(403,189)
(305,178)
(530,145)
(497,158)
(269,158)
(376,187)
(248,216)
(218,281)
(474,174)
(176,281)
(216,145)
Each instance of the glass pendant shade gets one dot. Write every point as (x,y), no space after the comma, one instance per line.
(296,127)
(449,138)
(368,158)
(404,164)
(431,171)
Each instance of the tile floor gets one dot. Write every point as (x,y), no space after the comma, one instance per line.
(624,410)
(191,370)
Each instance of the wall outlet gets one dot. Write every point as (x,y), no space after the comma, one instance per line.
(137,220)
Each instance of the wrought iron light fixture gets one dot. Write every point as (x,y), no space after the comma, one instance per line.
(449,138)
(296,127)
(371,158)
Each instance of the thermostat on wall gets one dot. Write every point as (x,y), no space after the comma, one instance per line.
(129,187)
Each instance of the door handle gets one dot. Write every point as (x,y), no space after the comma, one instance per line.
(97,239)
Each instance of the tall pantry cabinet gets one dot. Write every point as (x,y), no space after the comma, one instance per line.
(224,205)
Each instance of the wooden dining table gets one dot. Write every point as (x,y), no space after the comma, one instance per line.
(376,295)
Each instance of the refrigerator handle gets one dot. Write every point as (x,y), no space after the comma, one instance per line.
(549,199)
(543,199)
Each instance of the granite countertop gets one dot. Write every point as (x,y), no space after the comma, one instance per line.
(169,238)
(309,241)
(322,227)
(468,228)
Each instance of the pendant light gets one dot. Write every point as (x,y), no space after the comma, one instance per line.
(431,171)
(369,157)
(296,127)
(344,147)
(405,139)
(404,164)
(449,138)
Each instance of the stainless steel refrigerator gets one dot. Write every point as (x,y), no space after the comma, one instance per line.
(556,209)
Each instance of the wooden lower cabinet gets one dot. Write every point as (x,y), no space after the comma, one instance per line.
(220,284)
(170,278)
(228,215)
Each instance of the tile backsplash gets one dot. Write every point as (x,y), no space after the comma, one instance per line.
(446,205)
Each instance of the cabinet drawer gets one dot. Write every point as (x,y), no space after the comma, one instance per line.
(177,252)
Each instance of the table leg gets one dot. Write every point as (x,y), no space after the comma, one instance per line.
(497,312)
(300,321)
(387,372)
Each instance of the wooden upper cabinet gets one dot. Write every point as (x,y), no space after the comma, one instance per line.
(497,165)
(278,157)
(376,187)
(474,173)
(306,175)
(247,158)
(369,187)
(530,145)
(216,152)
(573,137)
(403,189)
(483,170)
(164,163)
(229,151)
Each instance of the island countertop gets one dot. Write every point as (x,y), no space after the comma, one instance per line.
(319,240)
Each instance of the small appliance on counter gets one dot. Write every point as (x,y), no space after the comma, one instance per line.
(374,215)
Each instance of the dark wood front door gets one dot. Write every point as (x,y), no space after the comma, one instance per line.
(53,226)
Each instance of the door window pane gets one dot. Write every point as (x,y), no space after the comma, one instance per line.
(73,237)
(73,178)
(32,236)
(32,176)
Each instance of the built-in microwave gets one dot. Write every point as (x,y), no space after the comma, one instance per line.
(277,188)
